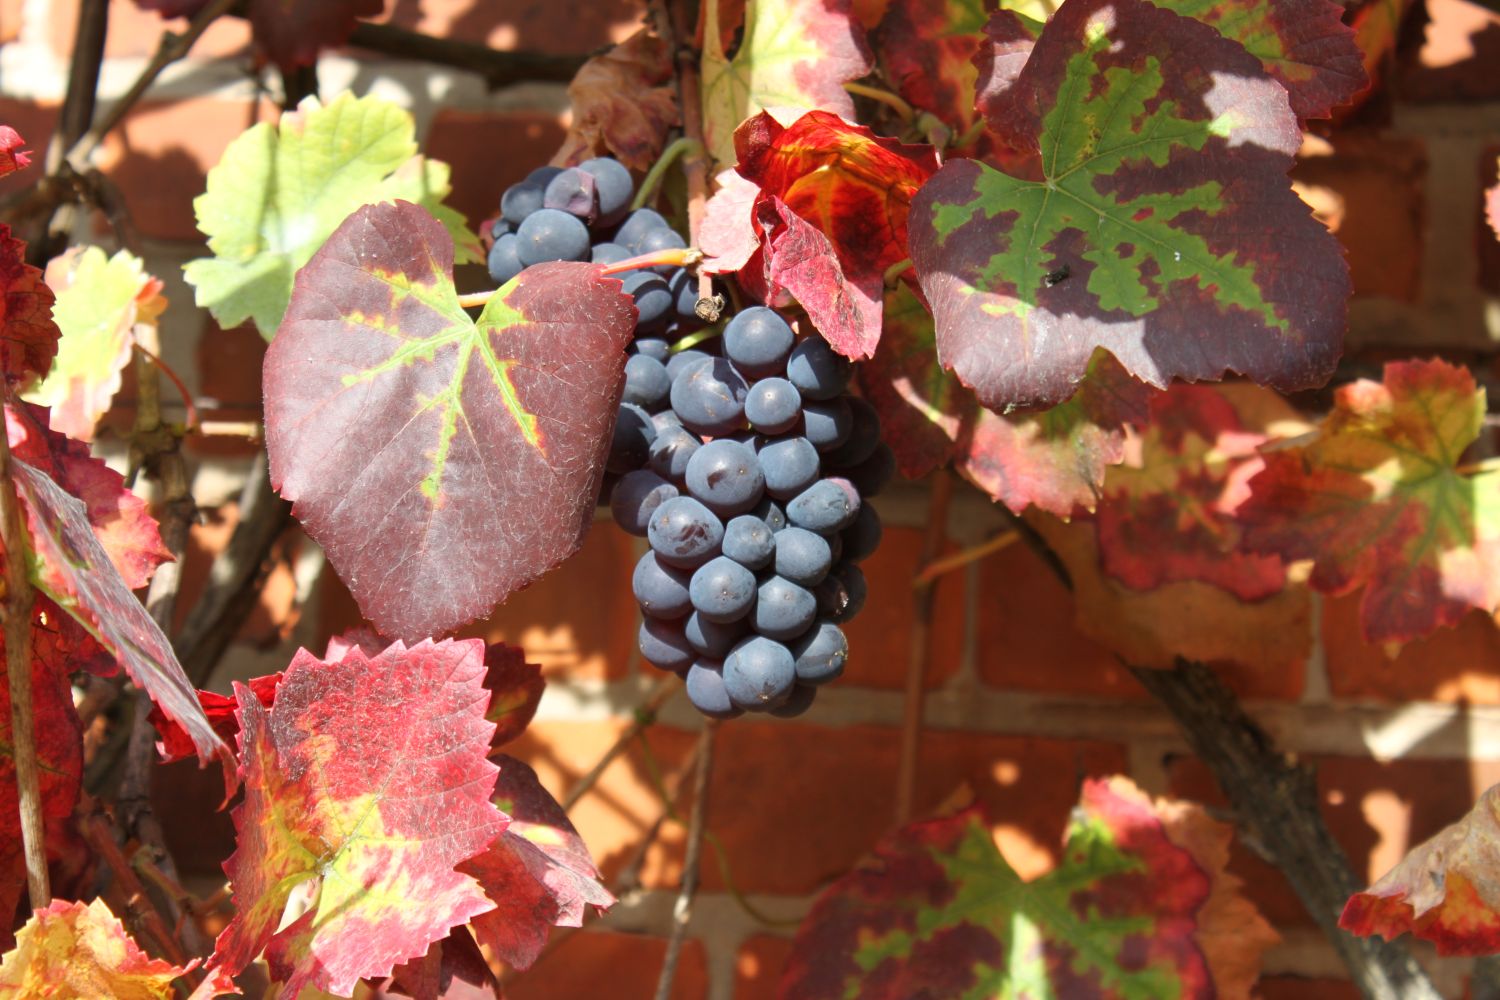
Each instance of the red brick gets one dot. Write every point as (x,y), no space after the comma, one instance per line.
(757,968)
(1372,187)
(35,123)
(597,963)
(1459,664)
(489,151)
(1300,988)
(1458,55)
(229,366)
(272,617)
(560,26)
(880,635)
(137,32)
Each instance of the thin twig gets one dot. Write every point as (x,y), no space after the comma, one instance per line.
(499,69)
(645,715)
(677,23)
(958,560)
(916,665)
(682,910)
(139,910)
(903,110)
(83,80)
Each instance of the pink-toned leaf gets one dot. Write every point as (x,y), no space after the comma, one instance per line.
(12,156)
(515,688)
(72,568)
(366,783)
(76,950)
(538,873)
(1446,890)
(1378,498)
(453,969)
(28,336)
(442,463)
(222,712)
(728,238)
(623,104)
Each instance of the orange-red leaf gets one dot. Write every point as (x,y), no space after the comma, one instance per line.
(28,337)
(72,950)
(928,49)
(12,156)
(623,103)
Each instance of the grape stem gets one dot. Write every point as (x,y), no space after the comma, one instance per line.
(678,257)
(894,102)
(681,147)
(938,567)
(645,716)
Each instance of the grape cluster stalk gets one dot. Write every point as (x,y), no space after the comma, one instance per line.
(742,460)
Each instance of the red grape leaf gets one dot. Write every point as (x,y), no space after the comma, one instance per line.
(1377,498)
(443,464)
(853,190)
(728,237)
(793,53)
(1054,459)
(72,567)
(175,744)
(538,872)
(623,103)
(12,156)
(293,34)
(1153,217)
(928,49)
(365,784)
(1168,512)
(453,969)
(28,336)
(58,640)
(1140,907)
(515,688)
(1446,890)
(82,950)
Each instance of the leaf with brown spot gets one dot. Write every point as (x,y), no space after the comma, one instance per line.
(623,104)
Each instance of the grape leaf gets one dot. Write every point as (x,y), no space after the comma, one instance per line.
(1446,890)
(728,238)
(1378,498)
(1054,459)
(1141,907)
(623,103)
(291,32)
(12,156)
(515,688)
(831,216)
(28,336)
(794,53)
(280,191)
(928,48)
(453,969)
(538,872)
(175,744)
(1154,218)
(442,464)
(1168,512)
(82,950)
(99,302)
(72,567)
(365,784)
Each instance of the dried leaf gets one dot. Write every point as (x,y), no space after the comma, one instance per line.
(623,104)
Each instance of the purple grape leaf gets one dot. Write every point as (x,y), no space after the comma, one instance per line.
(1150,215)
(442,463)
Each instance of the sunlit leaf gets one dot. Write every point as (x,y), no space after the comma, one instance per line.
(927,48)
(12,156)
(623,103)
(515,688)
(280,190)
(69,950)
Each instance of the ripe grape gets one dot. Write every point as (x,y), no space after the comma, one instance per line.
(824,507)
(684,533)
(862,536)
(722,590)
(630,445)
(677,362)
(709,396)
(614,188)
(827,423)
(504,263)
(713,638)
(817,370)
(726,477)
(790,466)
(783,610)
(758,341)
(707,692)
(820,653)
(660,590)
(636,497)
(773,405)
(573,191)
(663,645)
(801,556)
(520,200)
(635,227)
(759,673)
(672,450)
(749,541)
(863,439)
(647,383)
(656,348)
(548,235)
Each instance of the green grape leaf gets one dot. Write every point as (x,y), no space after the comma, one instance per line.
(1152,217)
(441,463)
(1140,908)
(281,190)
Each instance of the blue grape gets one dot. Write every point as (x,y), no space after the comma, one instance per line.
(759,674)
(797,702)
(503,261)
(609,253)
(817,370)
(647,383)
(548,235)
(500,227)
(790,466)
(771,512)
(636,497)
(820,653)
(630,445)
(573,191)
(842,593)
(661,591)
(827,424)
(874,474)
(725,476)
(614,186)
(709,396)
(783,610)
(682,359)
(520,200)
(706,690)
(684,533)
(773,405)
(758,341)
(713,638)
(542,176)
(635,227)
(671,452)
(657,349)
(722,590)
(749,541)
(801,556)
(864,436)
(664,646)
(665,419)
(685,296)
(826,506)
(862,537)
(653,300)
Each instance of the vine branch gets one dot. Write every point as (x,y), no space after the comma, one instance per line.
(921,628)
(682,910)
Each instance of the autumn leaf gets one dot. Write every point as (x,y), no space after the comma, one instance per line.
(28,336)
(12,156)
(831,216)
(515,688)
(222,712)
(538,872)
(358,816)
(1054,459)
(1376,24)
(71,950)
(1378,498)
(71,567)
(99,302)
(728,238)
(1153,218)
(927,48)
(623,104)
(1445,890)
(453,969)
(1140,907)
(280,191)
(793,53)
(442,464)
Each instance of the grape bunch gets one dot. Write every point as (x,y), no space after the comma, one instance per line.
(741,459)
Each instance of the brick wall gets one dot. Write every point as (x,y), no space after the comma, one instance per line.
(1020,705)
